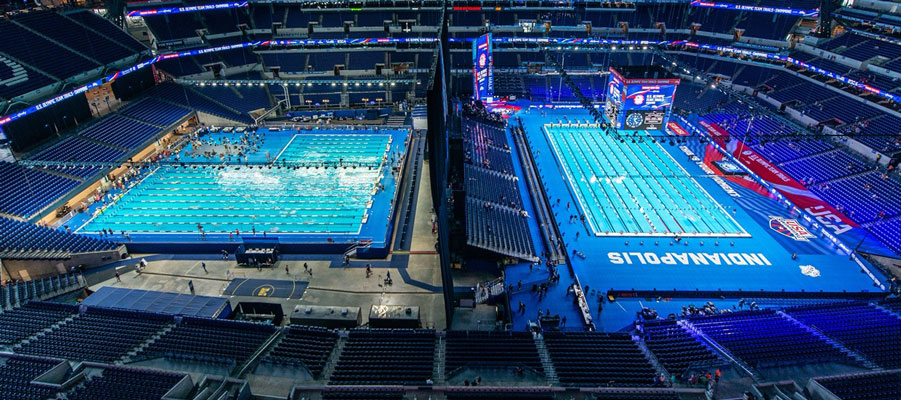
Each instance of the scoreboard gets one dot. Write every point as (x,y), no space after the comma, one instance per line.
(639,103)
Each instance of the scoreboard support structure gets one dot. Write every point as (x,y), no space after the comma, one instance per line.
(640,98)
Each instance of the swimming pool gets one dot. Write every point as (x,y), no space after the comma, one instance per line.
(319,183)
(634,189)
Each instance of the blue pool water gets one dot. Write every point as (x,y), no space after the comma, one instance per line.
(634,188)
(320,182)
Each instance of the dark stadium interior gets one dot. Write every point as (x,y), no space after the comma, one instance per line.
(450,199)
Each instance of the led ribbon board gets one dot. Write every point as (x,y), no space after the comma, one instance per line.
(176,10)
(772,10)
(144,64)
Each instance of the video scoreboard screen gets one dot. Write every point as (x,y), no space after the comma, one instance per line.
(639,104)
(482,68)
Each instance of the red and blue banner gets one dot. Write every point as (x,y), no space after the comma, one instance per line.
(482,68)
(744,7)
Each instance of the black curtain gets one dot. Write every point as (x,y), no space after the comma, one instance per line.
(31,130)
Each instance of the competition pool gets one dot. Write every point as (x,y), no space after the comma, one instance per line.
(634,189)
(318,182)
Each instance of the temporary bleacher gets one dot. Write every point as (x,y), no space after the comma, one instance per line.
(386,357)
(598,359)
(498,228)
(33,317)
(22,240)
(675,347)
(25,191)
(117,382)
(858,326)
(493,201)
(864,386)
(97,335)
(478,349)
(210,341)
(303,345)
(765,338)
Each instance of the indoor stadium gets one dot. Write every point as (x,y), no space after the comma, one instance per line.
(450,200)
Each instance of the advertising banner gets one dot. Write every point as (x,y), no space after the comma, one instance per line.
(482,68)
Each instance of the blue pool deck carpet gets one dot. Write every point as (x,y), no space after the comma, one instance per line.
(656,220)
(300,185)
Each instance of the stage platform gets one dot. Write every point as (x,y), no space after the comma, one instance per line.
(746,242)
(319,190)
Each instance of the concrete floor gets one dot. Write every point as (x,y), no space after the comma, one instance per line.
(416,275)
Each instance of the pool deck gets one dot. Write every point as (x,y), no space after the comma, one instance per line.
(761,262)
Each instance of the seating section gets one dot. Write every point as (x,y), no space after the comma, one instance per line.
(120,131)
(493,394)
(362,394)
(99,335)
(74,36)
(598,359)
(244,98)
(126,383)
(25,191)
(16,376)
(494,219)
(498,228)
(190,98)
(477,349)
(19,79)
(106,29)
(675,347)
(765,338)
(155,112)
(306,346)
(859,326)
(39,53)
(76,149)
(386,357)
(866,386)
(33,317)
(210,340)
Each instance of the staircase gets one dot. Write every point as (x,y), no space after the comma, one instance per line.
(131,356)
(47,330)
(549,371)
(661,370)
(725,354)
(439,366)
(333,358)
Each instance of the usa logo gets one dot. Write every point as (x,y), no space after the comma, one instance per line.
(810,270)
(482,60)
(790,228)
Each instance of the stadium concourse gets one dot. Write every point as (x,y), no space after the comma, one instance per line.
(444,199)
